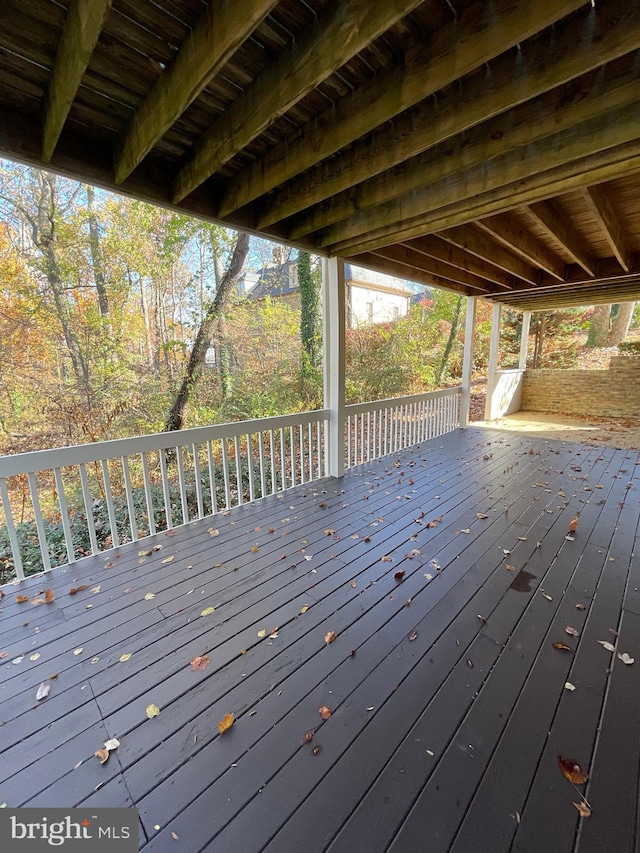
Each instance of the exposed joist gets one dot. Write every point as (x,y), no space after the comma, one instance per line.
(601,206)
(594,94)
(547,215)
(520,241)
(435,247)
(214,39)
(583,295)
(471,239)
(380,264)
(412,260)
(577,46)
(597,150)
(82,28)
(340,31)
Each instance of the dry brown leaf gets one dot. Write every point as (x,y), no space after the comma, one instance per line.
(562,646)
(308,737)
(43,691)
(573,525)
(75,589)
(49,595)
(386,559)
(324,712)
(22,599)
(175,836)
(510,568)
(4,655)
(584,809)
(572,771)
(413,636)
(329,637)
(580,607)
(572,631)
(213,531)
(353,584)
(102,755)
(481,515)
(399,575)
(225,723)
(201,662)
(613,631)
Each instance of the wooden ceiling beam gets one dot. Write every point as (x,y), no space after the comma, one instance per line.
(339,32)
(413,260)
(596,93)
(585,295)
(385,265)
(471,239)
(579,45)
(546,214)
(82,28)
(523,243)
(600,204)
(215,38)
(605,148)
(436,247)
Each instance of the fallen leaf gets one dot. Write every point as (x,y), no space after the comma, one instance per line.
(102,755)
(569,686)
(114,743)
(584,809)
(481,515)
(386,559)
(149,596)
(255,549)
(573,525)
(152,711)
(49,595)
(625,658)
(35,656)
(607,646)
(613,631)
(399,575)
(168,559)
(481,618)
(354,584)
(510,568)
(95,660)
(213,531)
(225,723)
(572,631)
(572,771)
(4,655)
(75,589)
(562,646)
(124,658)
(324,712)
(96,589)
(466,530)
(470,664)
(53,677)
(329,531)
(208,611)
(22,599)
(308,737)
(201,662)
(37,601)
(43,691)
(329,637)
(109,565)
(304,608)
(262,633)
(548,597)
(78,651)
(580,607)
(175,836)
(413,636)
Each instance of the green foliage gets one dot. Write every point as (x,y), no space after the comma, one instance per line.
(629,347)
(310,327)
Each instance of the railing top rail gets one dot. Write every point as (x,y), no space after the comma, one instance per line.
(375,405)
(58,457)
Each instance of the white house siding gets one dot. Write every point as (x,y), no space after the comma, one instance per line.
(374,306)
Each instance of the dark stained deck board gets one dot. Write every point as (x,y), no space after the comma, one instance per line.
(260,787)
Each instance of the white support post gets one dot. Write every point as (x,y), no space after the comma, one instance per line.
(467,362)
(524,339)
(492,369)
(333,321)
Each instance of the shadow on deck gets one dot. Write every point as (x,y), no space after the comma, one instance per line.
(446,576)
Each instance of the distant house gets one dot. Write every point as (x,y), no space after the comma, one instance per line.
(371,297)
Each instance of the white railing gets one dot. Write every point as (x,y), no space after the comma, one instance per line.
(63,504)
(385,426)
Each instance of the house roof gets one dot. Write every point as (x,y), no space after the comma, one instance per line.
(491,148)
(275,280)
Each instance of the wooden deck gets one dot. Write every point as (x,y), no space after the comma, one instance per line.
(449,702)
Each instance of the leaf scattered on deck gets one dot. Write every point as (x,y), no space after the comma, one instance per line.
(329,637)
(201,662)
(152,711)
(572,771)
(324,712)
(208,611)
(606,645)
(225,723)
(43,691)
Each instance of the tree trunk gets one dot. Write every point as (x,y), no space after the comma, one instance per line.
(453,334)
(193,371)
(599,328)
(96,256)
(621,323)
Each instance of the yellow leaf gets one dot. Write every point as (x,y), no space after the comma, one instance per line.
(304,608)
(262,633)
(149,596)
(95,589)
(152,711)
(168,559)
(208,611)
(584,809)
(34,656)
(125,657)
(225,723)
(255,549)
